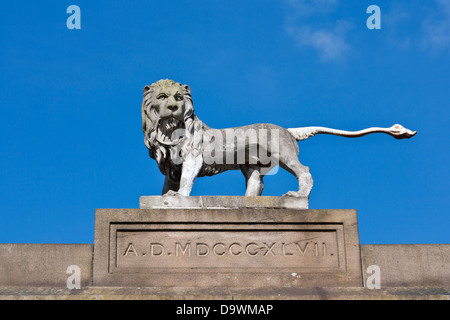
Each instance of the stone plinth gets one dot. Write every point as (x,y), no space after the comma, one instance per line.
(221,202)
(234,248)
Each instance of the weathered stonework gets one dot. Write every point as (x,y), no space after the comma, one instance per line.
(409,265)
(246,248)
(37,264)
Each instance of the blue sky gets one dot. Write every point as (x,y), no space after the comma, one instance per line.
(70,125)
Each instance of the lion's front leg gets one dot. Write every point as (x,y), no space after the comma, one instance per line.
(170,186)
(189,172)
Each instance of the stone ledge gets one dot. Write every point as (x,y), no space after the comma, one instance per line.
(120,293)
(222,202)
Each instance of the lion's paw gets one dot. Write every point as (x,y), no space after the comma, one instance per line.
(171,193)
(295,194)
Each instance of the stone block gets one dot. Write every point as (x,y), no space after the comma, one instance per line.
(234,248)
(409,265)
(43,264)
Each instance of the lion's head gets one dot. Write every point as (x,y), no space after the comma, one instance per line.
(169,123)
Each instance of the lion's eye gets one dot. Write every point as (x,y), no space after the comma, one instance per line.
(162,96)
(178,98)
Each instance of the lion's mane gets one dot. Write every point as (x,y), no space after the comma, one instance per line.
(169,154)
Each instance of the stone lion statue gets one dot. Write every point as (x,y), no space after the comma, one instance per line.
(185,148)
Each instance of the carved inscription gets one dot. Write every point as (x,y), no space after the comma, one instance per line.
(200,249)
(235,249)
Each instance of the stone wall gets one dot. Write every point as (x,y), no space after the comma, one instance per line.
(409,265)
(45,265)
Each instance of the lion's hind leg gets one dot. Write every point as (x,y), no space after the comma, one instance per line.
(301,172)
(253,179)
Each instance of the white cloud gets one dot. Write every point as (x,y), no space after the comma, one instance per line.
(330,43)
(324,34)
(436,28)
(314,25)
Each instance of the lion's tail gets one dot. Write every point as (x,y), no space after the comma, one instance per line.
(397,131)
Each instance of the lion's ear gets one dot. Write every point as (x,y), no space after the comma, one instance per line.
(186,89)
(146,88)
